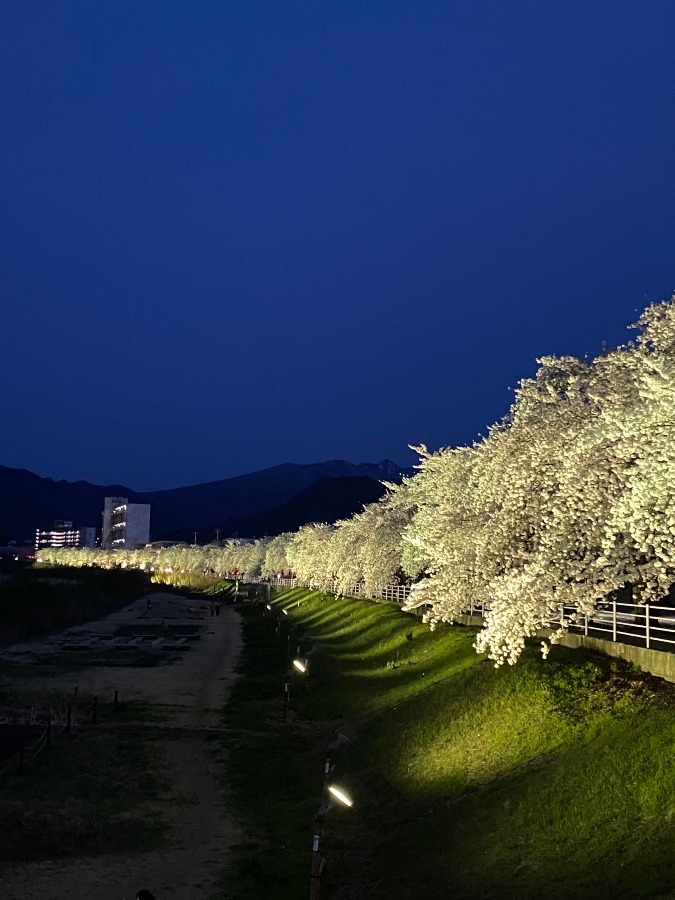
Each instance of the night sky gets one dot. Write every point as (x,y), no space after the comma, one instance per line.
(235,234)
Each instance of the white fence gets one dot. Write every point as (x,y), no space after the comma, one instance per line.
(649,625)
(394,593)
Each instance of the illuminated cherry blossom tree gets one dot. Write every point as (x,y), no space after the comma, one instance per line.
(568,499)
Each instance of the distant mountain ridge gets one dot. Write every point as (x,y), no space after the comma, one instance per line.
(327,500)
(245,495)
(29,501)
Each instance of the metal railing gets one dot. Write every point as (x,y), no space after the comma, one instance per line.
(392,593)
(650,625)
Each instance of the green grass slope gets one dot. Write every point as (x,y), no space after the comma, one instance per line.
(548,779)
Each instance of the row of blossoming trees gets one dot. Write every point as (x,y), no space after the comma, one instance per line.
(568,499)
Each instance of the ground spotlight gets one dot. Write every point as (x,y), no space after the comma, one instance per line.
(300,666)
(340,795)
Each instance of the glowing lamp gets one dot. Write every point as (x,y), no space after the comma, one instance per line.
(340,795)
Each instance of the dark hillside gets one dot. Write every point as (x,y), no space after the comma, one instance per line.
(201,505)
(28,501)
(327,500)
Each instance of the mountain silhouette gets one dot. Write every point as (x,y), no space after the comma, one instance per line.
(327,500)
(29,501)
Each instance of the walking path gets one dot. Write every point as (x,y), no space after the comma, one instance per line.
(191,693)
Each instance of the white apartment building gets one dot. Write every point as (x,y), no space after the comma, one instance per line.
(125,525)
(63,534)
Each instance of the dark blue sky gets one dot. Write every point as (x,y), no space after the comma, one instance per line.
(237,234)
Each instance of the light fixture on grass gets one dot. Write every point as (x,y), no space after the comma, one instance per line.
(318,860)
(340,795)
(300,666)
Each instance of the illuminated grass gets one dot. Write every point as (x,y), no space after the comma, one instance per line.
(366,647)
(549,779)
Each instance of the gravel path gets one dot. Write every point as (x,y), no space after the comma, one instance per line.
(192,692)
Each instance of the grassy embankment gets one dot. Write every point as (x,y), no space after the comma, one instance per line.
(549,779)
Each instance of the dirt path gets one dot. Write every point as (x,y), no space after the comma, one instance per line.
(191,692)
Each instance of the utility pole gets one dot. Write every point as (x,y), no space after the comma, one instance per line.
(217,535)
(195,539)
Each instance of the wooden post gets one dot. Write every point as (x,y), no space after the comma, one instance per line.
(316,869)
(287,700)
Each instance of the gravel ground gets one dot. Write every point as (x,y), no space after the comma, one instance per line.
(192,692)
